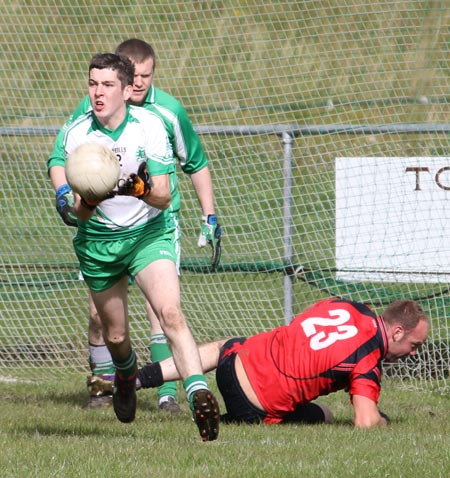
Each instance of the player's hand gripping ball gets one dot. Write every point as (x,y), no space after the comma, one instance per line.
(92,171)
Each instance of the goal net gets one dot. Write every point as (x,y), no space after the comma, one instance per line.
(325,127)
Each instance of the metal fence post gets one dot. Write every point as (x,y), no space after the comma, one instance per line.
(287,140)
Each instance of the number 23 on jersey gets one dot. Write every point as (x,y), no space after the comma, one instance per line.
(325,331)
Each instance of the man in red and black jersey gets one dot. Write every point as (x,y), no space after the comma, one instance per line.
(336,344)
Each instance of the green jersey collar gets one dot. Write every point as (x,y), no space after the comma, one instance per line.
(114,135)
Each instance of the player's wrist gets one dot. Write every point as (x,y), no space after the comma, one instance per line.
(210,219)
(146,194)
(63,189)
(86,204)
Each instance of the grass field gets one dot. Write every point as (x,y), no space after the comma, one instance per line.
(45,434)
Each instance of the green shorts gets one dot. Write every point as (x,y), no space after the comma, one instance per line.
(176,237)
(104,262)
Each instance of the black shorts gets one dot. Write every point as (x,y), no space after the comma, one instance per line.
(239,408)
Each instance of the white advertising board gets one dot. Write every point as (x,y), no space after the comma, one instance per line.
(393,219)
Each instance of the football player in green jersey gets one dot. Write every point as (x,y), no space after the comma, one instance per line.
(130,233)
(189,152)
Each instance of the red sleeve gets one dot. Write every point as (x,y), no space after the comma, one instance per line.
(367,383)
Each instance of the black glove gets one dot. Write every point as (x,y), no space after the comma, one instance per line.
(64,205)
(136,185)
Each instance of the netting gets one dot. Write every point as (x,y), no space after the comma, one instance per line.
(280,92)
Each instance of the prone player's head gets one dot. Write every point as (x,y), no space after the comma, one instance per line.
(144,58)
(407,328)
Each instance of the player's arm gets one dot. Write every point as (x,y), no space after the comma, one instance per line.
(55,165)
(68,204)
(155,171)
(82,209)
(366,413)
(159,194)
(57,156)
(202,183)
(211,230)
(64,197)
(153,190)
(189,151)
(188,148)
(57,176)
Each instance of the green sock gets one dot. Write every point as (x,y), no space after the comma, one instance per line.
(160,350)
(194,383)
(127,368)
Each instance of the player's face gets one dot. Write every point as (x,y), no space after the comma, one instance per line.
(143,77)
(108,99)
(402,344)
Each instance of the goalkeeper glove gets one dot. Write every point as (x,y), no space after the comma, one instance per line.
(211,233)
(64,205)
(136,185)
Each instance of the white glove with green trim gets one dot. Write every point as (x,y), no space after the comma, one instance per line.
(211,233)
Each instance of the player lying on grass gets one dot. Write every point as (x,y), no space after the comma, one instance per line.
(336,344)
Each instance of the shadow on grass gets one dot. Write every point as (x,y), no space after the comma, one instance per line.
(80,430)
(147,400)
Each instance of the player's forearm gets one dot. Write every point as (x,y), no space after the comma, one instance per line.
(202,183)
(82,210)
(366,413)
(159,195)
(57,176)
(158,199)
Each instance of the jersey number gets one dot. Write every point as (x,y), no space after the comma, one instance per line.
(335,329)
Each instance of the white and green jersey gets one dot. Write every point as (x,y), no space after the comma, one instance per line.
(186,144)
(141,137)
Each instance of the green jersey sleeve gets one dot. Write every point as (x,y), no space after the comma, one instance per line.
(185,141)
(57,156)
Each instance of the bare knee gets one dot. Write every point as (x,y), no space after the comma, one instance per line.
(171,318)
(115,339)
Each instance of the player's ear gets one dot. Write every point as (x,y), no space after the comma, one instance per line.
(398,334)
(127,92)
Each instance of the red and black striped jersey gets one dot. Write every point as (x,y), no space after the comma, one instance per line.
(334,345)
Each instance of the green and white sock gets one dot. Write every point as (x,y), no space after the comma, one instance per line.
(127,368)
(160,350)
(100,360)
(192,384)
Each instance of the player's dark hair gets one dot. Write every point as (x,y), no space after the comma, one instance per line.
(121,64)
(137,51)
(407,313)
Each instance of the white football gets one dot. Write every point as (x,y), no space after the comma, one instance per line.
(92,171)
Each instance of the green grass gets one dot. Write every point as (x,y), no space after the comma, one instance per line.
(44,433)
